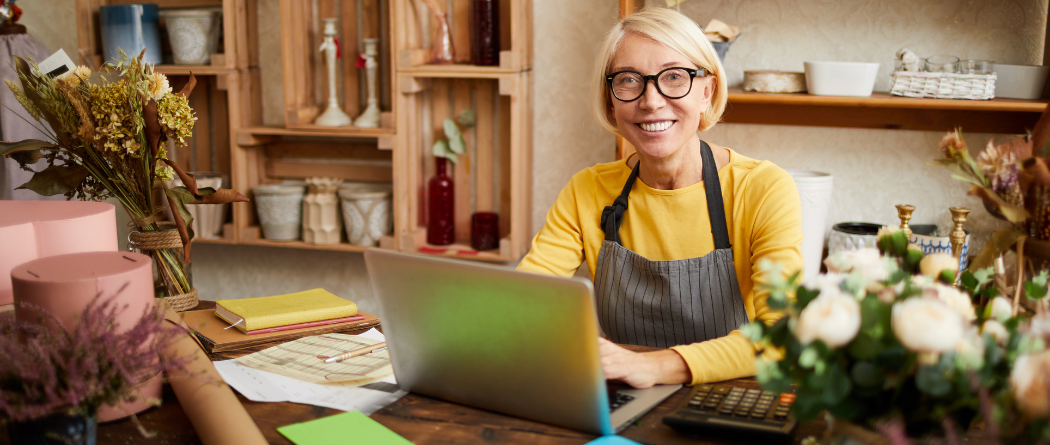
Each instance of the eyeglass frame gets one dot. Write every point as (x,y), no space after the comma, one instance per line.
(693,74)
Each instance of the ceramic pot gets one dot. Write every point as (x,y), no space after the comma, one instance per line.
(131,28)
(814,189)
(59,428)
(366,212)
(280,209)
(940,244)
(193,33)
(321,222)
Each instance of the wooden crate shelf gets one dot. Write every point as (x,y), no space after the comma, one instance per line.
(197,70)
(340,132)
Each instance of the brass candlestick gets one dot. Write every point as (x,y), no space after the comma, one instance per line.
(904,213)
(958,235)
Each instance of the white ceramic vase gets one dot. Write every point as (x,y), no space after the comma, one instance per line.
(367,212)
(814,189)
(193,33)
(321,222)
(280,209)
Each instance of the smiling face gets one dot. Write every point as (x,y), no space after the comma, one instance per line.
(658,127)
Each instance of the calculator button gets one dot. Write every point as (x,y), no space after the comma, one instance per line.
(753,392)
(769,393)
(738,391)
(694,403)
(721,390)
(742,413)
(704,388)
(787,398)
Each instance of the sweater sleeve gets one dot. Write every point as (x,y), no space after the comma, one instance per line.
(558,247)
(774,213)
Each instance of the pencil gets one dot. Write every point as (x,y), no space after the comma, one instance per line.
(355,353)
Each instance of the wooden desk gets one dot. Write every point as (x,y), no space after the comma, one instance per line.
(421,420)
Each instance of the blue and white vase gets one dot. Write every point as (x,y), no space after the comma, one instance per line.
(130,28)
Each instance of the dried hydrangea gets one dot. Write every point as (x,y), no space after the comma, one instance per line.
(1001,168)
(111,109)
(164,172)
(176,117)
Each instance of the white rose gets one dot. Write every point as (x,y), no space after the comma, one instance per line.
(996,330)
(833,317)
(954,298)
(1000,308)
(933,264)
(825,283)
(840,262)
(873,272)
(1039,326)
(926,325)
(1030,380)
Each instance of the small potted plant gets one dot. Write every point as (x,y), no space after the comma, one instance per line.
(53,380)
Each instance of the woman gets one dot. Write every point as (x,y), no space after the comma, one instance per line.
(672,235)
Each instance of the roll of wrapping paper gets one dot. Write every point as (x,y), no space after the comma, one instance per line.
(212,407)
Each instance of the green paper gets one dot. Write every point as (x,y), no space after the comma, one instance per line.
(347,428)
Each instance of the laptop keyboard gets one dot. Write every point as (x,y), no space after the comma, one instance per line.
(617,400)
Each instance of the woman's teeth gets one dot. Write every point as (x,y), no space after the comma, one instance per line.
(655,126)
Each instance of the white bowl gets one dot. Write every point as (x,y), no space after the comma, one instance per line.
(1020,81)
(840,78)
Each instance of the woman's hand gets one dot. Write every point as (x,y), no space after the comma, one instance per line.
(642,370)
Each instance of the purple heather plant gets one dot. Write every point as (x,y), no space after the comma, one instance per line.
(46,369)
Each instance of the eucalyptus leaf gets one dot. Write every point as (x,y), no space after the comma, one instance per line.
(467,118)
(457,144)
(753,331)
(932,380)
(864,347)
(56,180)
(837,387)
(866,374)
(808,358)
(451,130)
(440,148)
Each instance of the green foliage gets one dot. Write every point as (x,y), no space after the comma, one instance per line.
(454,144)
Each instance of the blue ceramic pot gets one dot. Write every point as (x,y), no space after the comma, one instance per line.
(131,28)
(55,429)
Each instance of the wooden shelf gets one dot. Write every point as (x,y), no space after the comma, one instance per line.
(214,241)
(457,71)
(318,131)
(463,252)
(185,70)
(341,247)
(883,111)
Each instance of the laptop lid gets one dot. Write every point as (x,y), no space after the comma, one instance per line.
(493,338)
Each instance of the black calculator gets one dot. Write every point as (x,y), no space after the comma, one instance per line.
(738,410)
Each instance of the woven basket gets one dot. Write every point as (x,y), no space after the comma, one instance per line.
(943,85)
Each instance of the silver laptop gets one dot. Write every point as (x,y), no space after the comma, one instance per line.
(497,339)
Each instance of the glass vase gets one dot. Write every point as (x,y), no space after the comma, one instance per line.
(171,276)
(56,428)
(442,51)
(441,227)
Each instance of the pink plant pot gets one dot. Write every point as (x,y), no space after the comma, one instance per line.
(63,285)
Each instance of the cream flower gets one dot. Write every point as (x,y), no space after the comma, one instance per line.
(969,351)
(926,325)
(954,298)
(996,330)
(845,261)
(1000,308)
(933,264)
(833,317)
(1030,380)
(158,86)
(825,283)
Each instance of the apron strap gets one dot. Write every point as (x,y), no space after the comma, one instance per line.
(716,211)
(613,215)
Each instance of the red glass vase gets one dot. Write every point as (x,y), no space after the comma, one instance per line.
(441,226)
(485,35)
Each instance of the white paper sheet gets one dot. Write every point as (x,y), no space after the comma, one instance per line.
(262,386)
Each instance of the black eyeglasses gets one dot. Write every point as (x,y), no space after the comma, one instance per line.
(672,83)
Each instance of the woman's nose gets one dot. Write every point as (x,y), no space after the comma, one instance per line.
(651,98)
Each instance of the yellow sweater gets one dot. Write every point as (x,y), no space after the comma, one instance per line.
(765,223)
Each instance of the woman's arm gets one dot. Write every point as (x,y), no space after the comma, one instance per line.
(558,247)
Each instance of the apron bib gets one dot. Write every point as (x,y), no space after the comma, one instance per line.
(668,303)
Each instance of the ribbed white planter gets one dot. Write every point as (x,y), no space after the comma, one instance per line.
(367,213)
(280,209)
(814,189)
(193,33)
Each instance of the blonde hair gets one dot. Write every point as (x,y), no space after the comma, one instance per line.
(677,32)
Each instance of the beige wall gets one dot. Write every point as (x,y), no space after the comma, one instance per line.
(873,169)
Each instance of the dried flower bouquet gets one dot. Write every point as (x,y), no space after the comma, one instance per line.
(107,140)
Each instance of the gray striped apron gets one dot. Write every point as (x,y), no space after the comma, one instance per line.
(668,303)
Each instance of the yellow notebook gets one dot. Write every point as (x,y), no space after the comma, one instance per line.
(282,310)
